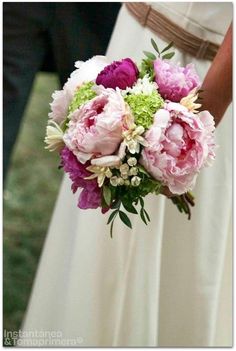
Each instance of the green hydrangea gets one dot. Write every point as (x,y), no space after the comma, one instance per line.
(144,107)
(82,95)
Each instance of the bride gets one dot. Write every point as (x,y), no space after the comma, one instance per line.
(167,284)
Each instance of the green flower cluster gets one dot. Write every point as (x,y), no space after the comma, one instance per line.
(144,107)
(82,95)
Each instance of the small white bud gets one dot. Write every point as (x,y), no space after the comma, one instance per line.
(132,161)
(114,181)
(135,181)
(121,181)
(127,182)
(124,168)
(124,175)
(133,171)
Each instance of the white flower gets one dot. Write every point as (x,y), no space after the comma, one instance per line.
(124,168)
(114,180)
(120,181)
(135,181)
(189,101)
(54,137)
(142,86)
(85,72)
(133,138)
(59,105)
(125,175)
(100,173)
(133,171)
(132,161)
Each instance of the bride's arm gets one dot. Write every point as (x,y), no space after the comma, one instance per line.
(217,85)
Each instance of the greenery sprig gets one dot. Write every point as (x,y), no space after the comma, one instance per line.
(147,63)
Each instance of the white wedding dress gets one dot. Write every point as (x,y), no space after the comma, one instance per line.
(165,284)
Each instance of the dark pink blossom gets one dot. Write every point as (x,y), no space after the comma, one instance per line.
(90,197)
(121,74)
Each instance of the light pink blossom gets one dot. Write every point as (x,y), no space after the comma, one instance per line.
(86,71)
(175,82)
(180,144)
(95,129)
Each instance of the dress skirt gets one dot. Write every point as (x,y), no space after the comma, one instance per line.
(165,284)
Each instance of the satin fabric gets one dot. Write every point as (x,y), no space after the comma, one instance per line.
(165,284)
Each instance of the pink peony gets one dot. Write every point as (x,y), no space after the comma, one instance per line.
(86,71)
(180,144)
(95,129)
(90,197)
(175,82)
(121,74)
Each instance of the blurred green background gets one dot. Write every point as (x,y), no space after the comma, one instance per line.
(30,192)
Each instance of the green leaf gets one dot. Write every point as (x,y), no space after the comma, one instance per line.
(116,204)
(143,216)
(112,215)
(141,202)
(149,55)
(130,208)
(168,56)
(168,47)
(111,229)
(147,215)
(142,170)
(106,194)
(155,46)
(125,219)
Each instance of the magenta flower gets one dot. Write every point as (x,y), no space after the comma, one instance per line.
(180,144)
(175,82)
(121,74)
(90,197)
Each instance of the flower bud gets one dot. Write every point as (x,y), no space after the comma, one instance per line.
(135,181)
(125,175)
(133,171)
(121,181)
(132,161)
(124,168)
(114,181)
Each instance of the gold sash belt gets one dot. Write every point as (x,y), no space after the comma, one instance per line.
(169,31)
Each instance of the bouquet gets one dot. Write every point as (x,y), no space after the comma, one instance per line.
(125,131)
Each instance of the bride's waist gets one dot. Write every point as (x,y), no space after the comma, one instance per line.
(208,21)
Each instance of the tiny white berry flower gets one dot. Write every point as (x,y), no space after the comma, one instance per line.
(132,161)
(135,181)
(114,181)
(133,171)
(125,175)
(121,181)
(124,168)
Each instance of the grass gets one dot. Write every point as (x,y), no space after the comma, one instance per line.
(30,193)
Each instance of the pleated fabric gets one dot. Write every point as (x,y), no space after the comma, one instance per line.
(165,284)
